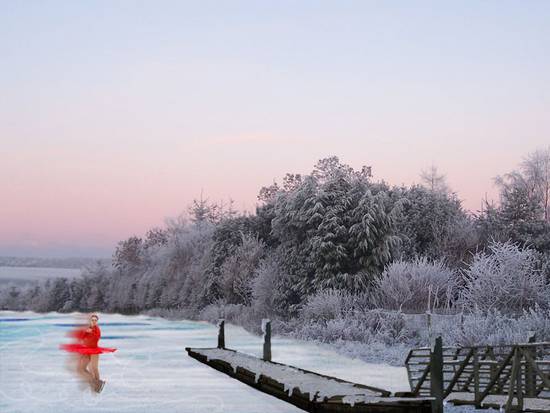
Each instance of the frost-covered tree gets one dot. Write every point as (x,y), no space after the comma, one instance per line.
(335,228)
(9,297)
(434,181)
(507,278)
(416,286)
(204,211)
(238,270)
(536,169)
(520,201)
(273,290)
(430,222)
(522,215)
(155,237)
(128,255)
(60,295)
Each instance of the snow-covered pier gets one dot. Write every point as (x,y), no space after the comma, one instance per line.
(307,390)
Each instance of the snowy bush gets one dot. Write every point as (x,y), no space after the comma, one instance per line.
(271,294)
(325,305)
(330,304)
(413,286)
(212,312)
(494,328)
(362,326)
(536,320)
(238,270)
(505,279)
(237,314)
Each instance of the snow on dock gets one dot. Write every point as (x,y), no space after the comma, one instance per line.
(307,390)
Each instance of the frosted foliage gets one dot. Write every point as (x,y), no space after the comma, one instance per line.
(506,279)
(238,270)
(331,316)
(266,287)
(415,285)
(325,305)
(494,328)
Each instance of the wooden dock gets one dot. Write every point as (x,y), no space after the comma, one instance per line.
(307,390)
(514,377)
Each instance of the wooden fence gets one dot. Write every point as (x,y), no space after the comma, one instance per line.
(518,374)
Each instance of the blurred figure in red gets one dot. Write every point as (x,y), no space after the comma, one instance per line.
(88,352)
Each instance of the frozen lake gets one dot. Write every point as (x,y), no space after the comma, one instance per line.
(150,371)
(22,275)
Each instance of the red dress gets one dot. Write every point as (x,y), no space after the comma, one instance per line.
(87,342)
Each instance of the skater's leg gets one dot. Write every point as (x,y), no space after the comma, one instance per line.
(94,370)
(82,371)
(94,365)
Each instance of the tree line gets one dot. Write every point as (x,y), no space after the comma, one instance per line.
(336,229)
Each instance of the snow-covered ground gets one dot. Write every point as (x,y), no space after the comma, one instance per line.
(151,371)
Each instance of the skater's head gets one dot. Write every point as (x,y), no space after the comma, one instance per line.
(93,319)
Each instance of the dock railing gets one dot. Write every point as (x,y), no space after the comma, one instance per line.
(471,374)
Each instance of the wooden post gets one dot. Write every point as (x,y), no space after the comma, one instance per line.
(429,324)
(477,394)
(266,329)
(221,333)
(530,374)
(519,383)
(513,381)
(436,375)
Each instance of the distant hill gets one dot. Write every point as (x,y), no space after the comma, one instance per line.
(74,262)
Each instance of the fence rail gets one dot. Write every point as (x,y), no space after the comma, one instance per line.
(470,375)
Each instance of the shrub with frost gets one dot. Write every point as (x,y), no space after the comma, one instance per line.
(507,278)
(238,270)
(495,328)
(272,292)
(325,305)
(416,285)
(333,315)
(330,304)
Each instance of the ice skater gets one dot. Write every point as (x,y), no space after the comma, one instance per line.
(87,350)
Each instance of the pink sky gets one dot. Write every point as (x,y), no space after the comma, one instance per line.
(113,119)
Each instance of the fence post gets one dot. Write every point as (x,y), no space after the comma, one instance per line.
(476,379)
(266,329)
(429,323)
(436,375)
(530,374)
(221,333)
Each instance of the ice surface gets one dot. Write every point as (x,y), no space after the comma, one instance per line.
(151,370)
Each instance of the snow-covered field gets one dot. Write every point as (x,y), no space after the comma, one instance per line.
(151,371)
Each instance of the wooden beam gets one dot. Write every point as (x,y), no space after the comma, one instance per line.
(266,327)
(497,374)
(459,372)
(221,333)
(421,380)
(536,368)
(436,376)
(513,382)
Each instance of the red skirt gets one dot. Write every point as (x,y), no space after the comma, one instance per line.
(82,349)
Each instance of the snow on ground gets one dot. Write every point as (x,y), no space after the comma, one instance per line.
(151,371)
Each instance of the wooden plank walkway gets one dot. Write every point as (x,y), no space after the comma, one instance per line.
(304,389)
(307,390)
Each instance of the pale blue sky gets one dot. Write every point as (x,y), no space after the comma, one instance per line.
(114,114)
